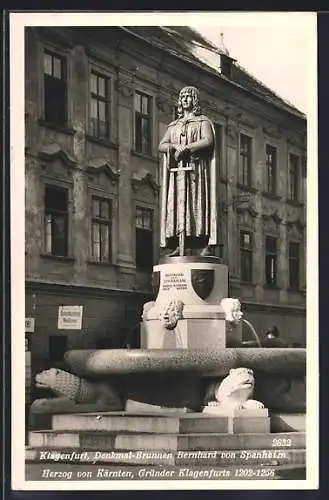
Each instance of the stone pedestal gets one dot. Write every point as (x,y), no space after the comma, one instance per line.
(241,421)
(190,288)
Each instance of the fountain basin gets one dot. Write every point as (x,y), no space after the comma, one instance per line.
(187,377)
(203,362)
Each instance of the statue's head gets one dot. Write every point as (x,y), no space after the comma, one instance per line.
(194,93)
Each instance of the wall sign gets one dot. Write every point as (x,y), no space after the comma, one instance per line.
(29,325)
(70,317)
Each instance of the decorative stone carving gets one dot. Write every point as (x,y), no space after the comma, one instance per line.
(232,309)
(247,208)
(295,228)
(235,392)
(202,282)
(144,179)
(244,206)
(272,221)
(53,151)
(171,314)
(295,140)
(246,120)
(297,222)
(273,131)
(97,165)
(70,390)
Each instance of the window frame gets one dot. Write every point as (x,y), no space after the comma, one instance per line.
(273,166)
(51,211)
(242,156)
(294,286)
(145,208)
(64,64)
(245,250)
(98,98)
(271,254)
(293,195)
(101,221)
(150,120)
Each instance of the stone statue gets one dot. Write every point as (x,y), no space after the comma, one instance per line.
(189,180)
(71,390)
(232,309)
(172,313)
(234,392)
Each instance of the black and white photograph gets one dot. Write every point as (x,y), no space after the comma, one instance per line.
(164,172)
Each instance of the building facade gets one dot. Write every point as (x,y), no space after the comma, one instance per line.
(98,101)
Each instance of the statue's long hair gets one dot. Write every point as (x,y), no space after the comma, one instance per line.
(193,91)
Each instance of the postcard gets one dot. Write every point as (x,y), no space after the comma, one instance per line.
(163,212)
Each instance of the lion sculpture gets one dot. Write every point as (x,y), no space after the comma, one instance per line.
(171,314)
(232,309)
(71,390)
(235,392)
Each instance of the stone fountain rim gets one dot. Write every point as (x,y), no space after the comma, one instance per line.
(205,362)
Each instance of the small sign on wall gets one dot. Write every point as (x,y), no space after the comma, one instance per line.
(29,325)
(70,317)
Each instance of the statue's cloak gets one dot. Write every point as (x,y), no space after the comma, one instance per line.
(170,216)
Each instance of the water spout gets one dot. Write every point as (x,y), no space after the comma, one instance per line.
(253,331)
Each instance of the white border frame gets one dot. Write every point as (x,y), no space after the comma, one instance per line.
(17,23)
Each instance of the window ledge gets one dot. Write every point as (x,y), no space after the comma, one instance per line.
(145,156)
(294,203)
(102,142)
(266,194)
(101,264)
(250,189)
(65,258)
(58,128)
(296,290)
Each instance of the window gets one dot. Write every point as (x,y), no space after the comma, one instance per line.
(56,220)
(271,158)
(101,229)
(270,260)
(246,256)
(143,123)
(57,347)
(226,65)
(293,178)
(294,265)
(245,161)
(144,238)
(99,105)
(55,98)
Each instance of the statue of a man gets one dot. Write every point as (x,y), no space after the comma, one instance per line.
(189,185)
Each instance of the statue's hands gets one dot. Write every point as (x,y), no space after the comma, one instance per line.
(171,148)
(180,152)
